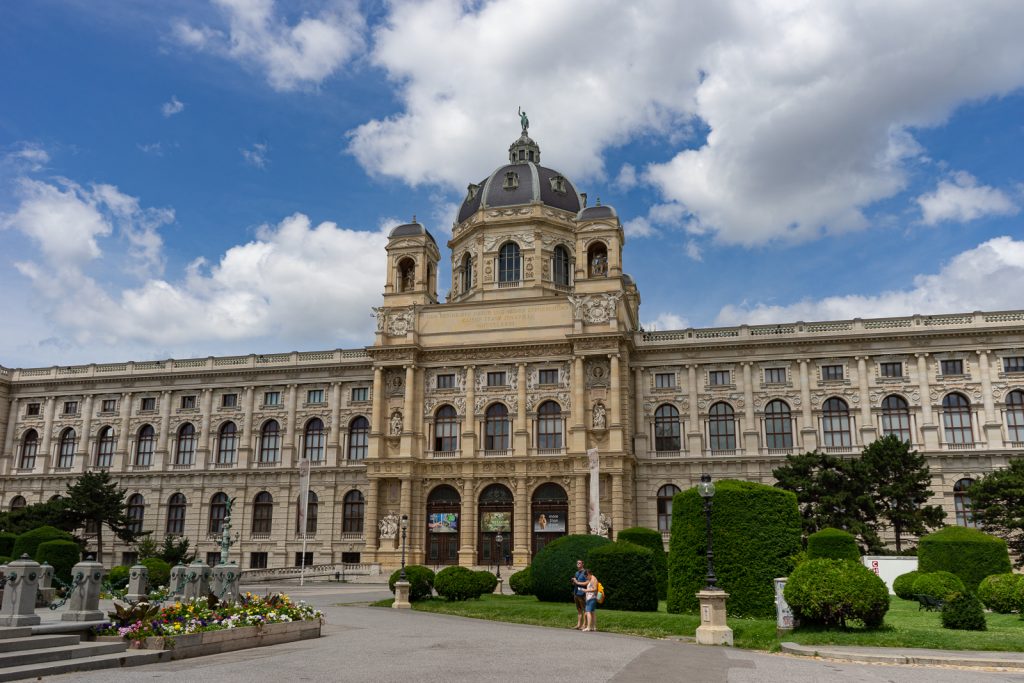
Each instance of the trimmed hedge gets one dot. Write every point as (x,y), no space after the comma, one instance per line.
(7,540)
(61,555)
(626,571)
(461,583)
(28,542)
(964,611)
(521,582)
(940,585)
(159,572)
(555,565)
(420,578)
(756,531)
(970,554)
(1018,597)
(903,585)
(117,577)
(649,538)
(999,592)
(834,544)
(486,582)
(831,592)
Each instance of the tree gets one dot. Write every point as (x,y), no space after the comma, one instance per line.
(53,513)
(831,492)
(175,550)
(997,502)
(899,479)
(96,498)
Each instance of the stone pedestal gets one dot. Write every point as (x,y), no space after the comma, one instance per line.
(46,591)
(402,595)
(178,574)
(19,606)
(138,584)
(224,582)
(713,629)
(498,589)
(197,581)
(84,604)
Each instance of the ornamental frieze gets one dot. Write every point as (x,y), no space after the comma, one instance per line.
(562,398)
(522,239)
(511,401)
(594,308)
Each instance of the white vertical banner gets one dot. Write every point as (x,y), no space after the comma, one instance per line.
(303,510)
(594,506)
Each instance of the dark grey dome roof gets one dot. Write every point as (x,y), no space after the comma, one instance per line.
(528,183)
(409,230)
(594,212)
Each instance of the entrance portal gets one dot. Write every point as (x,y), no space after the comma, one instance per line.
(550,515)
(496,508)
(444,506)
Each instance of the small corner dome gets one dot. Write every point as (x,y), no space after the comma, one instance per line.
(593,213)
(410,230)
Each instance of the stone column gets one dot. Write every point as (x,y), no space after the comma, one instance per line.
(469,419)
(521,443)
(377,408)
(409,413)
(750,430)
(579,504)
(809,431)
(929,430)
(618,512)
(161,456)
(122,433)
(579,441)
(84,441)
(867,425)
(289,456)
(695,433)
(990,425)
(371,534)
(19,604)
(467,530)
(85,599)
(45,446)
(245,455)
(615,437)
(336,430)
(522,527)
(639,421)
(12,421)
(203,451)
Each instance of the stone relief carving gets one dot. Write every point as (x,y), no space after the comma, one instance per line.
(524,240)
(401,323)
(396,423)
(563,399)
(381,314)
(594,308)
(598,373)
(388,526)
(510,400)
(604,526)
(600,420)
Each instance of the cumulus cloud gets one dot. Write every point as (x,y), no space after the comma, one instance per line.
(962,199)
(966,283)
(626,180)
(292,55)
(29,156)
(256,155)
(638,227)
(173,107)
(667,321)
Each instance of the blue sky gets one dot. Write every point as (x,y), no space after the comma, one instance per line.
(199,178)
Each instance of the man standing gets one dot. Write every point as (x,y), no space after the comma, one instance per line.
(579,581)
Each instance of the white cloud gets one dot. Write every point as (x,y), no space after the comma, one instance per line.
(155,148)
(175,106)
(963,284)
(29,156)
(693,251)
(962,199)
(292,55)
(626,179)
(667,321)
(639,227)
(256,155)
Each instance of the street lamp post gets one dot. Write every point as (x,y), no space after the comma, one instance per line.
(402,585)
(497,563)
(714,628)
(707,491)
(405,527)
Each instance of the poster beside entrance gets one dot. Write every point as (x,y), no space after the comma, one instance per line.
(496,521)
(443,522)
(549,522)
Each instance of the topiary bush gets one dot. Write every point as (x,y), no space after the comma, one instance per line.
(756,535)
(1018,598)
(999,592)
(61,555)
(964,611)
(420,578)
(28,542)
(486,582)
(649,538)
(903,585)
(834,544)
(626,571)
(7,540)
(117,577)
(832,592)
(970,554)
(521,582)
(940,585)
(555,565)
(460,583)
(159,572)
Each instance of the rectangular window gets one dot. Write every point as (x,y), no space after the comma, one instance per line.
(548,377)
(188,402)
(891,369)
(831,372)
(229,400)
(664,380)
(70,407)
(148,403)
(109,405)
(129,558)
(304,559)
(496,379)
(360,394)
(213,557)
(32,409)
(446,381)
(952,367)
(257,560)
(350,558)
(272,398)
(718,378)
(775,375)
(1013,364)
(315,396)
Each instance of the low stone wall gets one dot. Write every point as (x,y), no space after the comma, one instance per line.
(229,639)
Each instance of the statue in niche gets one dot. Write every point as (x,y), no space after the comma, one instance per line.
(600,417)
(388,526)
(599,266)
(396,423)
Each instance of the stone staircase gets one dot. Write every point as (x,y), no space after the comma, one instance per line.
(34,651)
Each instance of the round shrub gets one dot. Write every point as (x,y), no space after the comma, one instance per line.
(117,577)
(999,592)
(903,585)
(61,555)
(1018,597)
(159,571)
(756,532)
(521,583)
(649,538)
(834,544)
(28,542)
(458,583)
(833,592)
(7,540)
(964,611)
(940,585)
(486,582)
(555,565)
(970,554)
(4,559)
(626,571)
(420,578)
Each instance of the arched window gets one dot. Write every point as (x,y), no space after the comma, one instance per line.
(144,445)
(896,417)
(314,440)
(136,512)
(665,495)
(508,263)
(66,455)
(312,511)
(352,511)
(29,448)
(218,512)
(835,423)
(597,259)
(406,275)
(446,429)
(666,428)
(549,425)
(105,447)
(778,425)
(18,502)
(270,442)
(560,266)
(722,427)
(496,428)
(185,452)
(956,417)
(227,444)
(1015,416)
(262,513)
(467,273)
(176,507)
(962,503)
(358,438)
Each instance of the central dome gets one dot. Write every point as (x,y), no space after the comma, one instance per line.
(522,181)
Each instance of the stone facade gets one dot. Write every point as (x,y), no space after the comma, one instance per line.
(474,416)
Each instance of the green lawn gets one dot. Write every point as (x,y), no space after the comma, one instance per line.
(905,626)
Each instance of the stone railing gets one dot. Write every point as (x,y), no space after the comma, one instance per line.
(314,570)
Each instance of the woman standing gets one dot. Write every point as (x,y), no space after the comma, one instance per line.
(590,609)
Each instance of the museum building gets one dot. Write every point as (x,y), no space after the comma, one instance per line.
(473,416)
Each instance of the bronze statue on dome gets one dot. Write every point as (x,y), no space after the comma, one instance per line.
(524,121)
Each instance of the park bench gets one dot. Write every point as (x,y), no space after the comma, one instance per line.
(929,603)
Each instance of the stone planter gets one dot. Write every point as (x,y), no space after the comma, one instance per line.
(229,639)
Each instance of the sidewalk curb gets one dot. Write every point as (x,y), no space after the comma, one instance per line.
(975,659)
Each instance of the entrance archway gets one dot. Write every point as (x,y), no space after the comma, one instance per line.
(495,509)
(443,517)
(549,518)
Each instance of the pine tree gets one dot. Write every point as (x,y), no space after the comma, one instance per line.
(997,503)
(96,498)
